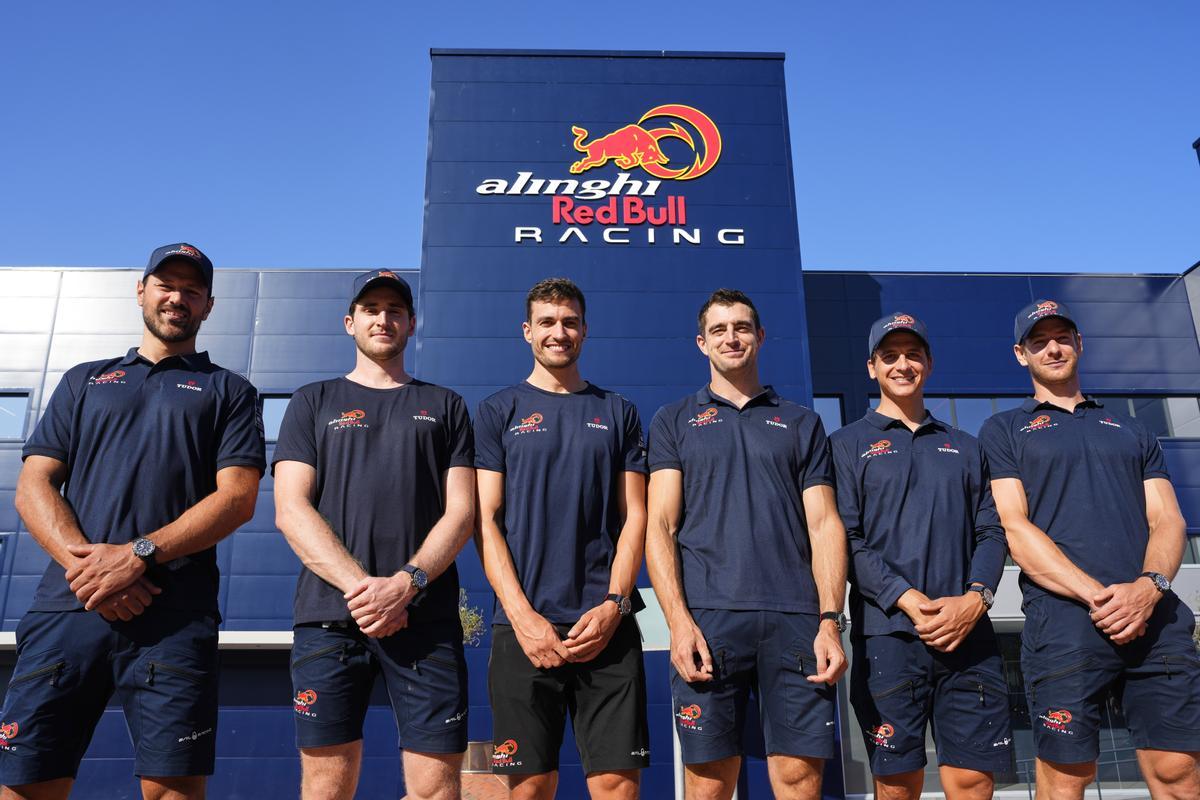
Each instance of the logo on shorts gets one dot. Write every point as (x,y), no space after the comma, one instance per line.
(190,386)
(642,753)
(109,377)
(1038,423)
(457,717)
(881,735)
(530,424)
(424,416)
(349,419)
(776,423)
(881,448)
(304,702)
(687,717)
(1057,721)
(8,732)
(502,755)
(194,735)
(1005,742)
(708,416)
(1110,422)
(597,424)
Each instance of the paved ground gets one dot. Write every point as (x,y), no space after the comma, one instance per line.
(484,787)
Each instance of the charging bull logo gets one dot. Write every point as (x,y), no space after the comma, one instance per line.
(8,732)
(640,146)
(881,735)
(880,448)
(502,754)
(349,419)
(304,701)
(1044,309)
(688,715)
(1038,423)
(706,417)
(530,424)
(110,377)
(1057,721)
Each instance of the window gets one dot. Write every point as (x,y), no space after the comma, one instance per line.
(273,408)
(14,410)
(1164,416)
(830,411)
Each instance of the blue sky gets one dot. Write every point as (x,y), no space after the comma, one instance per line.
(937,135)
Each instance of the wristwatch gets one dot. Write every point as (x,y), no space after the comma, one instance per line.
(145,549)
(419,579)
(1159,580)
(838,618)
(624,604)
(988,597)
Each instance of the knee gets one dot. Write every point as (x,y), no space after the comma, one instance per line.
(1176,773)
(1064,781)
(797,777)
(532,787)
(615,785)
(447,787)
(178,788)
(905,786)
(712,780)
(969,784)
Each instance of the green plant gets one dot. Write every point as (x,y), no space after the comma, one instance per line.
(471,618)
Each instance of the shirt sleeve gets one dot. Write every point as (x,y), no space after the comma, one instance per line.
(818,465)
(53,434)
(297,434)
(662,449)
(998,446)
(987,561)
(1153,463)
(869,573)
(461,436)
(489,438)
(240,441)
(633,444)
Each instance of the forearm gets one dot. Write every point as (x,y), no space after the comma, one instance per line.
(829,563)
(1164,549)
(873,577)
(318,547)
(631,547)
(500,570)
(49,518)
(1042,562)
(213,518)
(444,542)
(666,574)
(987,562)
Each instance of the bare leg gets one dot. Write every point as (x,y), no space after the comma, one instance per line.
(57,789)
(1170,775)
(614,785)
(1063,781)
(190,787)
(904,786)
(533,787)
(795,777)
(712,780)
(960,783)
(330,773)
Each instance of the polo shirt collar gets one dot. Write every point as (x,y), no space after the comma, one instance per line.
(1031,404)
(767,396)
(883,422)
(190,360)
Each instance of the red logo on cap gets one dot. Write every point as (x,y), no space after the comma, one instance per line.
(386,273)
(1044,309)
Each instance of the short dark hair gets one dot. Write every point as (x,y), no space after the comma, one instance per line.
(552,289)
(727,297)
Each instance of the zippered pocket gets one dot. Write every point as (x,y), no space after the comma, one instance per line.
(54,670)
(886,693)
(324,651)
(195,676)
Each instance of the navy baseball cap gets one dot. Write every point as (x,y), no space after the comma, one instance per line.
(184,252)
(890,323)
(1037,311)
(383,277)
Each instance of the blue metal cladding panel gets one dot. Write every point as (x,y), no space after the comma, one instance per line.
(1137,329)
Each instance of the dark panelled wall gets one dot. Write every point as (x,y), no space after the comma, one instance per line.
(496,115)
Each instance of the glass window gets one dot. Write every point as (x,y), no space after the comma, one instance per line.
(941,407)
(1152,412)
(273,408)
(830,410)
(970,412)
(14,410)
(1184,416)
(1007,403)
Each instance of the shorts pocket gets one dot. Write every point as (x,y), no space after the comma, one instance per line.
(810,706)
(177,700)
(1042,682)
(980,713)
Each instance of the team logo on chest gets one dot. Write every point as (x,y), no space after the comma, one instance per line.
(116,376)
(530,424)
(709,416)
(597,424)
(948,448)
(424,416)
(190,386)
(1039,423)
(349,419)
(881,448)
(775,422)
(1110,422)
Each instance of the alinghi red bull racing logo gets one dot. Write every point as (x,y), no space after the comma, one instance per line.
(639,146)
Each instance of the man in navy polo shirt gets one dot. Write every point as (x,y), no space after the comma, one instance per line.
(158,455)
(927,553)
(375,491)
(562,497)
(1092,520)
(748,559)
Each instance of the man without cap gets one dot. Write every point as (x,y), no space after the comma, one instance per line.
(158,455)
(375,491)
(1092,520)
(562,495)
(748,559)
(927,553)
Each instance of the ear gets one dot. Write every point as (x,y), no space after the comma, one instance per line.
(1078,343)
(141,294)
(871,368)
(412,325)
(208,307)
(527,331)
(1019,352)
(348,322)
(700,343)
(762,336)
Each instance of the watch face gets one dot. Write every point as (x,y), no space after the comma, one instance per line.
(625,606)
(1162,583)
(143,548)
(988,597)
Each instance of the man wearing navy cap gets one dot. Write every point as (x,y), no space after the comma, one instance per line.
(375,491)
(1092,520)
(158,455)
(748,559)
(562,501)
(927,554)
